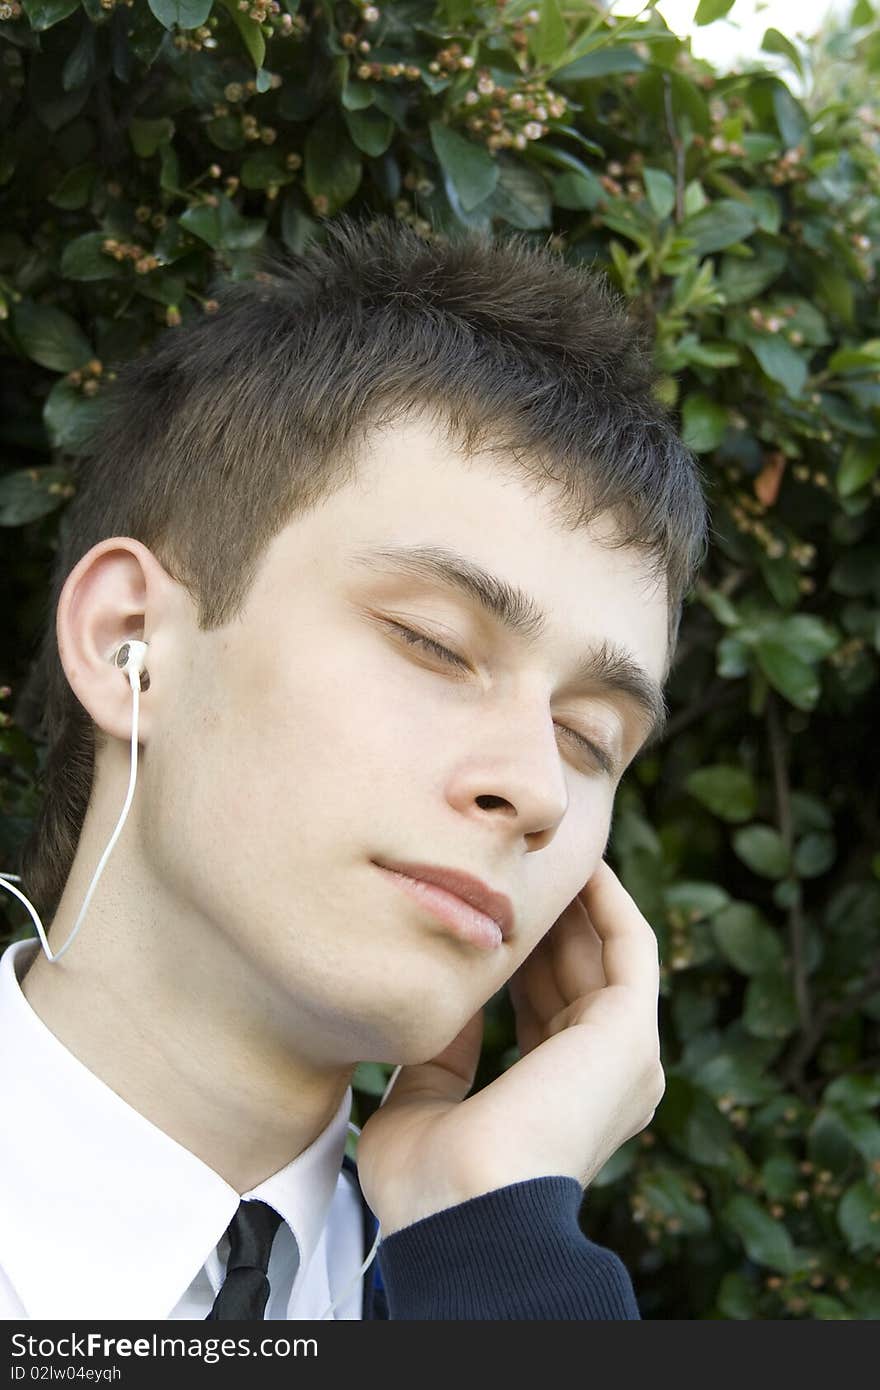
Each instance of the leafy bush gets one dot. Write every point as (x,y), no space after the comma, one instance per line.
(151,147)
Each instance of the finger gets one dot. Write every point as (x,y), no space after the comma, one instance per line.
(536,983)
(529,1032)
(629,945)
(576,953)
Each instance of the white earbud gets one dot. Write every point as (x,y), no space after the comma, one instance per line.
(131,657)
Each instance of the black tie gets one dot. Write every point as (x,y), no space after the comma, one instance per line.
(244,1292)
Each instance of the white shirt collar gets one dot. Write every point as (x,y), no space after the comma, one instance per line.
(88,1184)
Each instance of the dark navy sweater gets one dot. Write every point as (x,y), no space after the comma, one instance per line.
(516,1253)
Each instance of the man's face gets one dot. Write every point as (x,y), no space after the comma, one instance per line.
(309,739)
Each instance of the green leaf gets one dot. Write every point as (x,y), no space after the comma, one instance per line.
(262,169)
(719,225)
(548,40)
(357,94)
(146,136)
(71,418)
(741,280)
(44,13)
(780,361)
(770,1008)
(708,354)
(761,847)
(857,467)
(578,136)
(165,288)
(666,1190)
(83,259)
(521,196)
(788,673)
(30,493)
(600,64)
(808,812)
(759,145)
(660,188)
(865,357)
(824,1308)
(297,229)
(858,1216)
(808,635)
(371,1077)
(814,854)
(782,578)
(732,658)
(186,14)
(780,1177)
(854,1092)
(54,107)
(835,289)
(695,199)
(745,939)
(766,1241)
(333,166)
(720,606)
(704,423)
(729,1074)
(768,209)
(776,42)
(371,130)
(710,10)
(736,1297)
(856,571)
(693,1125)
(75,188)
(579,191)
(863,1132)
(79,67)
(251,34)
(791,118)
(694,897)
(223,227)
(50,336)
(470,167)
(828,1143)
(729,792)
(225,132)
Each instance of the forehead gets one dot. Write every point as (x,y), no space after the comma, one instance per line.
(411,485)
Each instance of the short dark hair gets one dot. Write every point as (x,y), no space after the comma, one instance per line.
(239,421)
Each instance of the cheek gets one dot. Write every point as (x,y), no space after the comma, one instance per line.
(580,845)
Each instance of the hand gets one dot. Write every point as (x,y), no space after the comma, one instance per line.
(589,1076)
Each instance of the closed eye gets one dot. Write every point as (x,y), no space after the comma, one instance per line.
(427,644)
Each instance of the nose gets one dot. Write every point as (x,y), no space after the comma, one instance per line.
(515,769)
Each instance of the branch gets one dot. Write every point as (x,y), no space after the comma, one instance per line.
(678,147)
(827,1013)
(796,930)
(720,694)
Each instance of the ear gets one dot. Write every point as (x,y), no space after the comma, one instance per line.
(118,590)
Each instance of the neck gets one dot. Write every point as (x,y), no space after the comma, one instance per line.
(163,1007)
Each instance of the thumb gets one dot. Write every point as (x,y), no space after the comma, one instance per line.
(448,1076)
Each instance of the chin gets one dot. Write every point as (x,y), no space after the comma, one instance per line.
(427,1037)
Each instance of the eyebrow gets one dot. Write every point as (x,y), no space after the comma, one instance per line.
(607,665)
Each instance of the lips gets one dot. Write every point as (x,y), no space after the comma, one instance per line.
(472,890)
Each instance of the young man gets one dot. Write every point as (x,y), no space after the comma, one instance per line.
(407,536)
